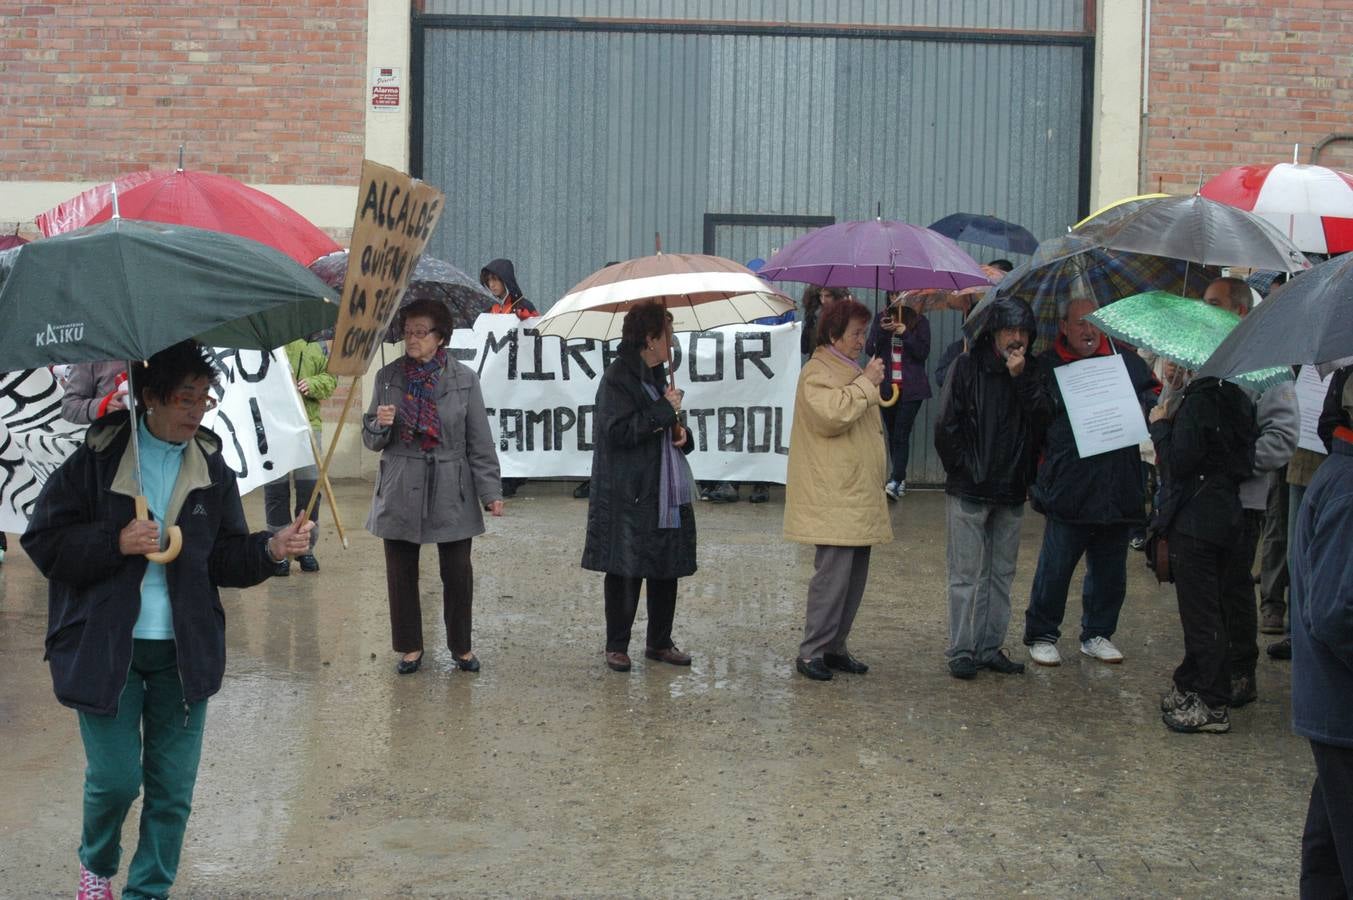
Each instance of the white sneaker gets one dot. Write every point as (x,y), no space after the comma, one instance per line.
(893,489)
(1045,654)
(1102,649)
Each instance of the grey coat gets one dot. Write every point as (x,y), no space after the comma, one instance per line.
(88,384)
(434,496)
(1279,420)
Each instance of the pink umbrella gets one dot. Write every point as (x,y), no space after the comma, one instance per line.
(1312,205)
(876,253)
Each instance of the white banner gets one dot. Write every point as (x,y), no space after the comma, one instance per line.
(259,420)
(541,392)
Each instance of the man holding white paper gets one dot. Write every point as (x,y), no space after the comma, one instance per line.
(1091,502)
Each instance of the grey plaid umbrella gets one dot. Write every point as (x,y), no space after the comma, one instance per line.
(432,278)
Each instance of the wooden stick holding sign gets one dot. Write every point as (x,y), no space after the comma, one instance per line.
(328,457)
(394,220)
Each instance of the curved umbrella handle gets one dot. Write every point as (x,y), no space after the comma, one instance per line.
(174,533)
(893,399)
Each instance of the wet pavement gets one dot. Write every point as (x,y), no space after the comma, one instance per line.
(325,774)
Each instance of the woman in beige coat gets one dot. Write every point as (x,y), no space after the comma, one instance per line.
(832,499)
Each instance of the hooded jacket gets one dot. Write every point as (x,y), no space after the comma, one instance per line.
(514,302)
(94,591)
(915,344)
(1104,489)
(991,424)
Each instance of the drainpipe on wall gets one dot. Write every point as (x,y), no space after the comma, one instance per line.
(1146,99)
(1325,142)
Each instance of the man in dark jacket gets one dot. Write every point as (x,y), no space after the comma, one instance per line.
(1090,504)
(993,412)
(1204,450)
(1322,660)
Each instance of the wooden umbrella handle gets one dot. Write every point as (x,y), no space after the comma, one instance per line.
(173,533)
(893,399)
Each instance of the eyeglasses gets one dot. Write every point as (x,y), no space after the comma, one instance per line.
(419,333)
(187,402)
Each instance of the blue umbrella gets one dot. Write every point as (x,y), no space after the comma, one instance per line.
(988,231)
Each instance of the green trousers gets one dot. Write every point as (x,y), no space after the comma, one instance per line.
(155,740)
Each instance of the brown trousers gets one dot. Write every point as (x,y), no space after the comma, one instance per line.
(406,613)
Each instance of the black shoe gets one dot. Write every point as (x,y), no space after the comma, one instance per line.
(844,662)
(282,569)
(813,668)
(963,667)
(409,666)
(1280,649)
(1243,690)
(510,486)
(1137,542)
(704,491)
(581,491)
(468,665)
(308,563)
(760,493)
(723,492)
(1003,664)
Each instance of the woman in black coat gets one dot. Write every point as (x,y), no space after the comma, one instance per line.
(640,523)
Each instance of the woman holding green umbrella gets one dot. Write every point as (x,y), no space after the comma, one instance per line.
(136,647)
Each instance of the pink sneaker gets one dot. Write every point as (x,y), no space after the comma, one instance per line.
(92,887)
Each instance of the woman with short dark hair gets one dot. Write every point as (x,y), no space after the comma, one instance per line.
(137,646)
(832,498)
(438,473)
(640,522)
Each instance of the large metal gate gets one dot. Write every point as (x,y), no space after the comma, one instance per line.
(563,143)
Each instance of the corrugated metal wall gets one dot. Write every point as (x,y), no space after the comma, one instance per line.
(1039,15)
(563,149)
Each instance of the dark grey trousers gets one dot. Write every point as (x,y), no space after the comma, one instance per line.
(834,595)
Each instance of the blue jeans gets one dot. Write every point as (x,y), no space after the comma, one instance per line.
(1105,549)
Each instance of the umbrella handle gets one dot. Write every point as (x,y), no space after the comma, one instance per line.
(893,399)
(174,533)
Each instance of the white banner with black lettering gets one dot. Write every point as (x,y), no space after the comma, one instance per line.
(259,420)
(541,391)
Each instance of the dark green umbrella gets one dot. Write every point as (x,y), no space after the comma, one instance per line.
(125,289)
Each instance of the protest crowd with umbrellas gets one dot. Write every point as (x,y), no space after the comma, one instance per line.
(1122,378)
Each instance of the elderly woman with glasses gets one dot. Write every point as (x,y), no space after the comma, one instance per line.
(136,645)
(438,474)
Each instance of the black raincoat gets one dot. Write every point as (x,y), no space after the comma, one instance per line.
(991,425)
(623,537)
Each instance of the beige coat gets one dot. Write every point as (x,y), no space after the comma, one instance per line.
(837,465)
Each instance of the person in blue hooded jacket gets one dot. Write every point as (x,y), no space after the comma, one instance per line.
(1322,655)
(136,647)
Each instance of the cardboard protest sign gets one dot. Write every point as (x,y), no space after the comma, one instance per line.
(395,218)
(541,392)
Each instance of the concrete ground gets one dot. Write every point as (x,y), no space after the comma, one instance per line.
(325,775)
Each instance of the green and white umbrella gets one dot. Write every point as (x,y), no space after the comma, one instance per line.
(1183,331)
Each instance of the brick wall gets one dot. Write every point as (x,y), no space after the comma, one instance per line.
(1235,83)
(262,91)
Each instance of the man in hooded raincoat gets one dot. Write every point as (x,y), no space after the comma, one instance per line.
(994,410)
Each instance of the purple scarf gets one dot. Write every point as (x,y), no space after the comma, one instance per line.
(675,479)
(418,410)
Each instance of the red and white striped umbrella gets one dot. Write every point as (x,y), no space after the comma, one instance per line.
(1312,205)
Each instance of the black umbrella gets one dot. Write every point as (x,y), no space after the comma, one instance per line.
(1309,320)
(432,278)
(988,231)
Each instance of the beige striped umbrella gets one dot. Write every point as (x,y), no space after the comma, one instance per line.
(701,292)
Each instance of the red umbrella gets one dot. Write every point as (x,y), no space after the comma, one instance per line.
(200,200)
(10,241)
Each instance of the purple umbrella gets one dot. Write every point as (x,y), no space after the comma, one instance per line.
(880,254)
